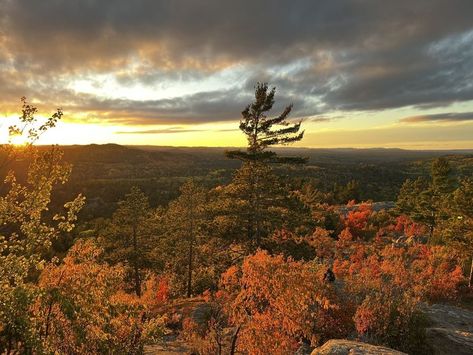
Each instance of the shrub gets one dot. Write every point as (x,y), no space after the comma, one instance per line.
(278,302)
(82,307)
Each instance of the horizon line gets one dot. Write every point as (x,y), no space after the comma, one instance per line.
(280,147)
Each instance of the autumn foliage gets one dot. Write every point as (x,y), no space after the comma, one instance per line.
(282,302)
(82,307)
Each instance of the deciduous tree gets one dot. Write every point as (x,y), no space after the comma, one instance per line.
(26,233)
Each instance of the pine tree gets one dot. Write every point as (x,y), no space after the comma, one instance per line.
(263,132)
(443,181)
(463,222)
(128,238)
(428,200)
(184,220)
(257,194)
(252,205)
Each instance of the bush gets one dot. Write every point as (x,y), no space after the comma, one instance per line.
(82,308)
(391,318)
(279,302)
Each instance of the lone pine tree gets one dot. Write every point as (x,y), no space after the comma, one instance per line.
(255,183)
(263,132)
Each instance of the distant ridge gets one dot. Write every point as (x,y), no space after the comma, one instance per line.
(112,152)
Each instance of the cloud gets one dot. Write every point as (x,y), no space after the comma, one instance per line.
(339,55)
(203,107)
(440,117)
(203,33)
(199,108)
(433,75)
(172,130)
(159,131)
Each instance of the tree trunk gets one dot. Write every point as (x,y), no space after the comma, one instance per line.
(50,309)
(254,206)
(48,317)
(219,346)
(249,229)
(234,341)
(432,226)
(191,237)
(470,282)
(137,281)
(258,219)
(189,268)
(431,232)
(135,264)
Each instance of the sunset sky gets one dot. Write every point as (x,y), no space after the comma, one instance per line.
(360,73)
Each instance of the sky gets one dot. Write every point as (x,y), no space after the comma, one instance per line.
(360,73)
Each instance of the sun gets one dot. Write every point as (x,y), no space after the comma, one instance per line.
(18,140)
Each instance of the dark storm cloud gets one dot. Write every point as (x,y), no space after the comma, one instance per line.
(433,75)
(355,55)
(198,108)
(213,106)
(202,107)
(440,117)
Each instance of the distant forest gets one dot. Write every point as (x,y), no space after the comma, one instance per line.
(105,173)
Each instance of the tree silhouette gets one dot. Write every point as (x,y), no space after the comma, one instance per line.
(263,132)
(255,184)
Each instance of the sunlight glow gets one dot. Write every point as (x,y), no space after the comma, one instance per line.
(19,140)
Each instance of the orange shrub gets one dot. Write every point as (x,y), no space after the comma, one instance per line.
(388,284)
(408,227)
(82,308)
(279,302)
(357,221)
(391,317)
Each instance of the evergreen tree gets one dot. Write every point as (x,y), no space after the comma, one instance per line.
(263,132)
(345,193)
(462,223)
(183,224)
(251,206)
(256,197)
(428,200)
(443,181)
(444,208)
(128,236)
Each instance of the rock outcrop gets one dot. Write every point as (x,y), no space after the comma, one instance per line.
(349,347)
(451,331)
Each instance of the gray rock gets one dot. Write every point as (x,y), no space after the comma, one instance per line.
(451,331)
(304,349)
(349,347)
